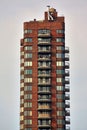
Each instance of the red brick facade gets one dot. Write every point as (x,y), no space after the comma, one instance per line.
(44,46)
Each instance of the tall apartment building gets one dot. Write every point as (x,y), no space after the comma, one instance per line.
(44,84)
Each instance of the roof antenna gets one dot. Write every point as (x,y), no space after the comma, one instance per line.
(50,17)
(48,11)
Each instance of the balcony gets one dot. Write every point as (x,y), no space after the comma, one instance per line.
(44,35)
(67,88)
(44,91)
(66,57)
(66,65)
(44,42)
(67,104)
(44,58)
(67,127)
(44,83)
(67,49)
(44,107)
(67,120)
(44,125)
(66,72)
(44,50)
(67,112)
(67,97)
(44,75)
(44,116)
(42,66)
(67,81)
(44,100)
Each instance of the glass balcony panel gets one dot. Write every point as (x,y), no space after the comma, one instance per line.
(43,107)
(67,81)
(44,116)
(67,104)
(67,65)
(67,88)
(67,72)
(67,127)
(67,112)
(43,41)
(67,49)
(67,120)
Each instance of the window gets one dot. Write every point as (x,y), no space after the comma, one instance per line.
(22,53)
(22,61)
(44,39)
(21,101)
(27,31)
(26,88)
(21,118)
(60,113)
(59,88)
(60,31)
(58,79)
(60,40)
(60,129)
(22,76)
(60,71)
(60,104)
(59,63)
(22,68)
(60,48)
(21,126)
(21,109)
(28,96)
(22,85)
(28,104)
(29,71)
(28,55)
(27,113)
(28,63)
(60,96)
(22,93)
(43,31)
(28,129)
(28,39)
(28,80)
(60,122)
(28,122)
(28,48)
(59,55)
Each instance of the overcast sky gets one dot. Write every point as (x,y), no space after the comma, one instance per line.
(12,15)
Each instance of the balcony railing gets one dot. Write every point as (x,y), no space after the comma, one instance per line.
(66,57)
(44,99)
(44,83)
(67,104)
(67,88)
(44,75)
(44,50)
(44,91)
(67,97)
(67,81)
(66,65)
(42,116)
(67,49)
(44,58)
(67,127)
(67,120)
(44,34)
(44,107)
(67,112)
(66,72)
(44,66)
(44,42)
(44,125)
